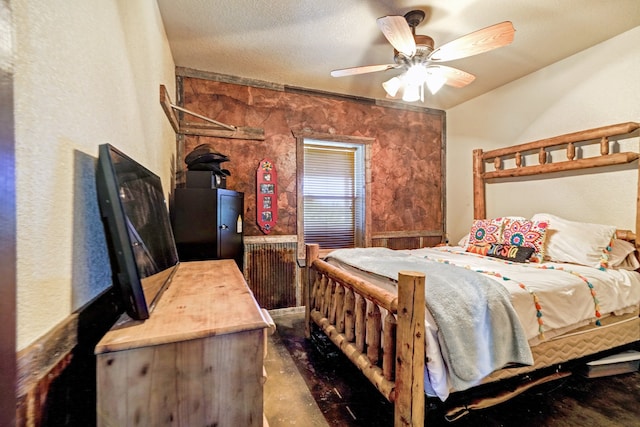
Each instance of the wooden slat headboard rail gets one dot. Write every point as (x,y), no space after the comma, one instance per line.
(594,136)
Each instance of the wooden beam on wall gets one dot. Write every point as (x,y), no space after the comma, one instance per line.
(240,132)
(165,102)
(214,129)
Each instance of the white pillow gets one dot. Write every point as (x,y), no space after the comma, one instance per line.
(464,241)
(623,256)
(630,263)
(577,242)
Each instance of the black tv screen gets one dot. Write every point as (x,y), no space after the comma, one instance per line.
(138,230)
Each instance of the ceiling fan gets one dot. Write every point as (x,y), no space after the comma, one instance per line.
(418,57)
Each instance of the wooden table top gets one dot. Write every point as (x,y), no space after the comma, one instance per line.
(204,298)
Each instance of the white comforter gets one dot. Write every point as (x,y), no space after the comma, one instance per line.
(568,296)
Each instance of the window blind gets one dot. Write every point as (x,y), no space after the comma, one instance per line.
(329,196)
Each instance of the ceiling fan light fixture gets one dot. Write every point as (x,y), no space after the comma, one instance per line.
(416,74)
(416,52)
(392,86)
(411,92)
(435,81)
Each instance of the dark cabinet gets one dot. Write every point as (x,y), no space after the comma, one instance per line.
(207,224)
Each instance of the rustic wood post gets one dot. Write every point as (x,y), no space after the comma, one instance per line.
(340,291)
(389,347)
(328,297)
(410,358)
(361,316)
(349,316)
(318,293)
(311,255)
(479,200)
(374,326)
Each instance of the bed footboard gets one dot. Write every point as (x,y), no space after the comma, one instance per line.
(381,333)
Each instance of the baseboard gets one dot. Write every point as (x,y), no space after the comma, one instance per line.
(280,312)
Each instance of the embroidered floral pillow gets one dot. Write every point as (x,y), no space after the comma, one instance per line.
(480,249)
(484,231)
(530,234)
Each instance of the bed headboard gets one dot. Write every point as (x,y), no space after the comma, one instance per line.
(594,136)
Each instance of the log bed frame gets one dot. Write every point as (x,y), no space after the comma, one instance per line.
(357,316)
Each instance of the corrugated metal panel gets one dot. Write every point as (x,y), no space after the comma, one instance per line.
(271,273)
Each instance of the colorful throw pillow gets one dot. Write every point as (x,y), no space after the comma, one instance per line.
(498,250)
(485,231)
(510,253)
(479,249)
(529,234)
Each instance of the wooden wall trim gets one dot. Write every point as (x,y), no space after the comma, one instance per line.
(411,233)
(443,176)
(309,134)
(366,142)
(368,193)
(37,360)
(56,373)
(225,78)
(38,366)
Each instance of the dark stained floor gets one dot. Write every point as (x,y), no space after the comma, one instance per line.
(346,398)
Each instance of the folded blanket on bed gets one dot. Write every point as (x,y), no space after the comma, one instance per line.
(478,329)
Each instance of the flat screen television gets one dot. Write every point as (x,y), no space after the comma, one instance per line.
(138,230)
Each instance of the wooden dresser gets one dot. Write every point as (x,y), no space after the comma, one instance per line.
(197,361)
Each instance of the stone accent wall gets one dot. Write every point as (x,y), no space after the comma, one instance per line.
(407,155)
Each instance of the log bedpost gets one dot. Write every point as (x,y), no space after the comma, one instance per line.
(311,255)
(479,208)
(409,399)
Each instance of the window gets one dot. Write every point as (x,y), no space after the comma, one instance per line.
(332,192)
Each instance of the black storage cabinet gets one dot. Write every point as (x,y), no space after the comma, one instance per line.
(207,224)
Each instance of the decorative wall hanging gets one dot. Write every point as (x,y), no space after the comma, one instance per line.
(267,196)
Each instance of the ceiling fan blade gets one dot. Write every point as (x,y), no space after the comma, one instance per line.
(480,41)
(455,77)
(397,31)
(362,70)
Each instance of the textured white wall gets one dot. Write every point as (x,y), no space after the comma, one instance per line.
(87,73)
(596,87)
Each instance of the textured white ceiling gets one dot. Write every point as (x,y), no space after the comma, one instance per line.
(298,42)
